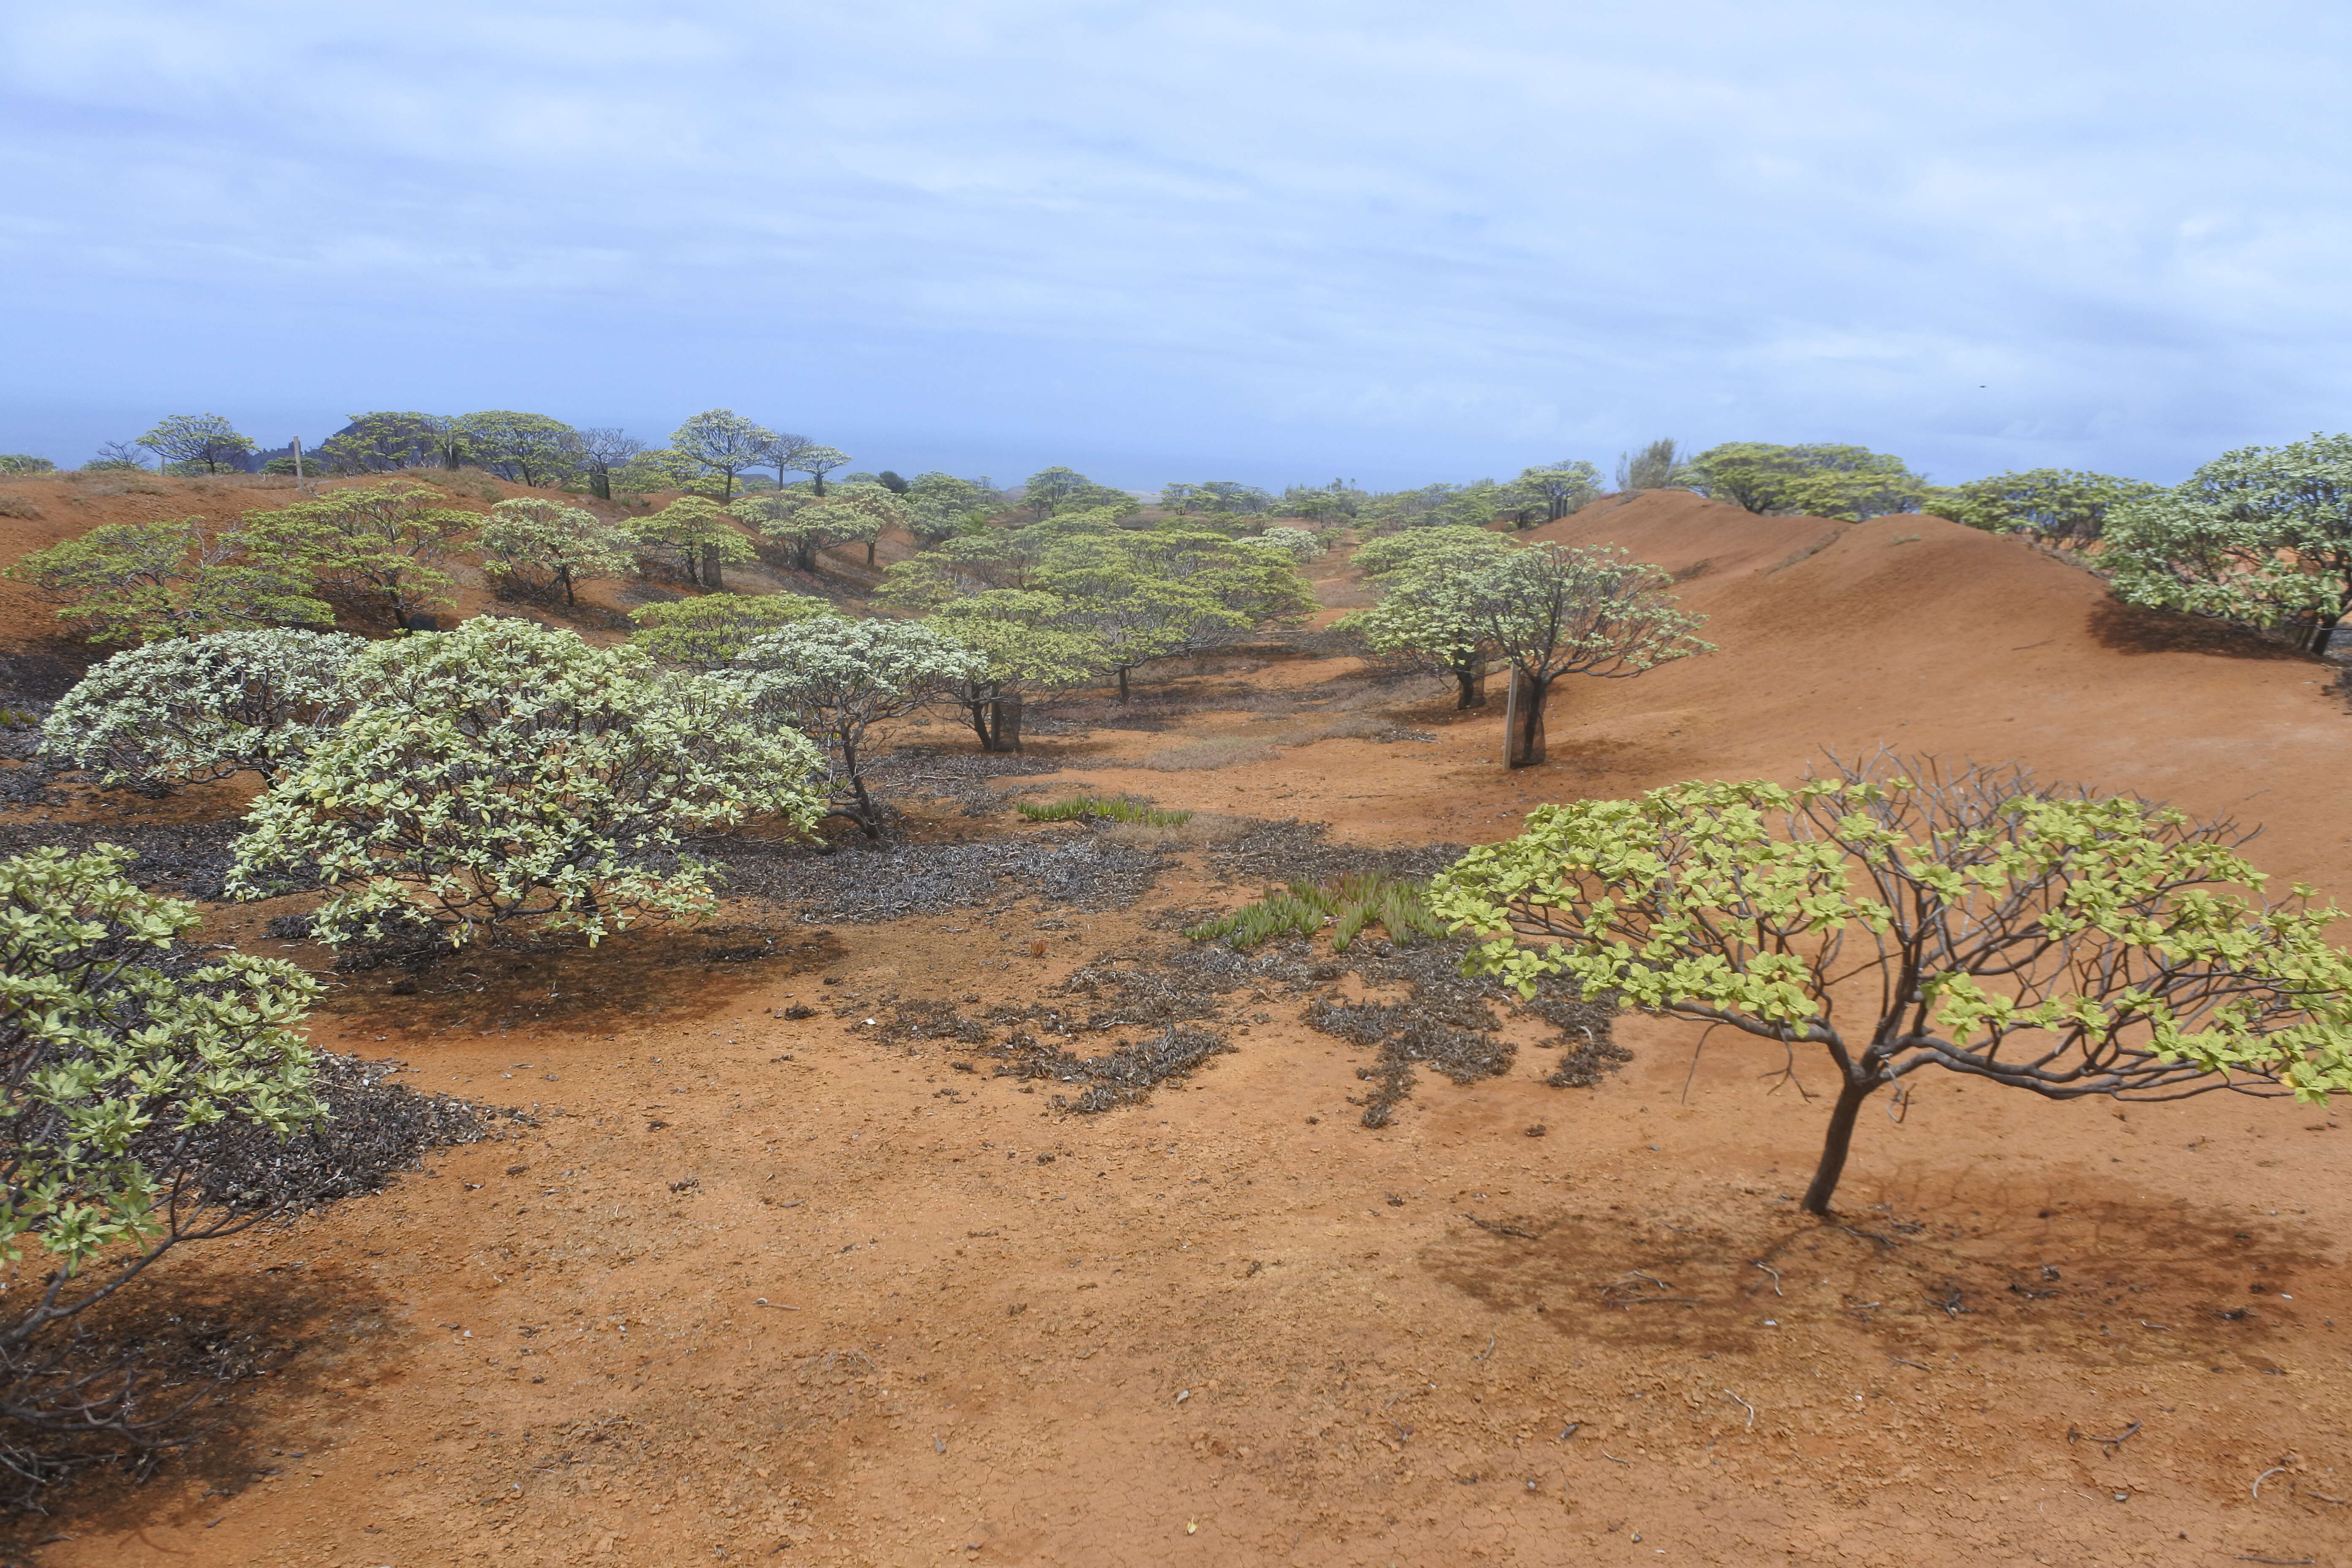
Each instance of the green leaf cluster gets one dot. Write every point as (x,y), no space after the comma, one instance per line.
(708,631)
(117,1063)
(544,544)
(2056,506)
(1810,479)
(139,581)
(381,545)
(507,775)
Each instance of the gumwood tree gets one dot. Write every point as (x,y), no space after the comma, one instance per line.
(1654,467)
(1298,545)
(383,442)
(2056,506)
(711,630)
(1422,616)
(805,525)
(2262,536)
(529,449)
(205,440)
(1814,479)
(1047,488)
(844,684)
(123,1059)
(603,448)
(721,442)
(700,532)
(815,460)
(544,544)
(1562,488)
(1026,640)
(1902,914)
(137,582)
(940,506)
(189,710)
(116,455)
(28,463)
(380,545)
(508,776)
(1550,611)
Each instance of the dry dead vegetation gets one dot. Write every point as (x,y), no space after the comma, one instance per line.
(941,1201)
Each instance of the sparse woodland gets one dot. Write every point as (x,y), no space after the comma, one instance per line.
(710,671)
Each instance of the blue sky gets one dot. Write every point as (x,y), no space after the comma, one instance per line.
(1276,241)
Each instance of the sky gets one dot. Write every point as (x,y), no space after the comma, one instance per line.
(1277,242)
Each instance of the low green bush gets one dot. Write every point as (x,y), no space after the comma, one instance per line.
(1346,907)
(1113,809)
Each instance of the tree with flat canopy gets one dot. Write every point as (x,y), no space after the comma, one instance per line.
(1028,641)
(1900,914)
(1420,619)
(1553,610)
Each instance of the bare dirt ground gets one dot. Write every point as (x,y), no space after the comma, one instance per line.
(755,1287)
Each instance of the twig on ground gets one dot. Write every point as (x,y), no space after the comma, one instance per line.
(1904,1361)
(1773,1272)
(1885,1241)
(2266,1474)
(2340,1502)
(2109,1444)
(2250,1557)
(1569,1431)
(778,1306)
(1637,1274)
(1503,1229)
(1743,1404)
(1481,1355)
(1615,1461)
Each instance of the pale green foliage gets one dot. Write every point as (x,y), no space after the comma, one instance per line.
(648,470)
(26,463)
(381,544)
(510,775)
(1295,545)
(115,1067)
(1422,616)
(1970,919)
(844,683)
(699,534)
(1344,908)
(1562,488)
(2261,535)
(190,709)
(807,525)
(719,444)
(712,629)
(384,442)
(2057,506)
(1435,506)
(206,441)
(1027,643)
(1658,465)
(529,449)
(815,460)
(544,544)
(1216,498)
(1818,480)
(137,582)
(940,505)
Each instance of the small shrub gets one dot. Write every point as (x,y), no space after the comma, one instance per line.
(1114,809)
(1348,906)
(17,506)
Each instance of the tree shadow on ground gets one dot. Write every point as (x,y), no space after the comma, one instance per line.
(2129,629)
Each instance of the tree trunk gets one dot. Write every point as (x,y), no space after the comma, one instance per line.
(867,818)
(1006,712)
(1523,741)
(869,549)
(2323,628)
(600,484)
(1472,680)
(565,572)
(978,713)
(1833,1148)
(1122,683)
(820,485)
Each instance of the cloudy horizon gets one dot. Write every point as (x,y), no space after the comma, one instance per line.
(1275,244)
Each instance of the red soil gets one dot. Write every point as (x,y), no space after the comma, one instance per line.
(767,1282)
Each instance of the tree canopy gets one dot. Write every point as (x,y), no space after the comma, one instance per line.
(137,582)
(379,546)
(1816,480)
(2262,536)
(507,775)
(529,449)
(699,533)
(1901,914)
(189,710)
(1422,616)
(206,441)
(721,443)
(711,630)
(2056,506)
(541,545)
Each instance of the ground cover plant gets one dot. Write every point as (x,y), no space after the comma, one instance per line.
(2042,937)
(1093,807)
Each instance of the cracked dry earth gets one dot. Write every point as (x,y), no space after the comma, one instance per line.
(763,1289)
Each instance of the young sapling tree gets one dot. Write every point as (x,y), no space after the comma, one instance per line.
(1901,915)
